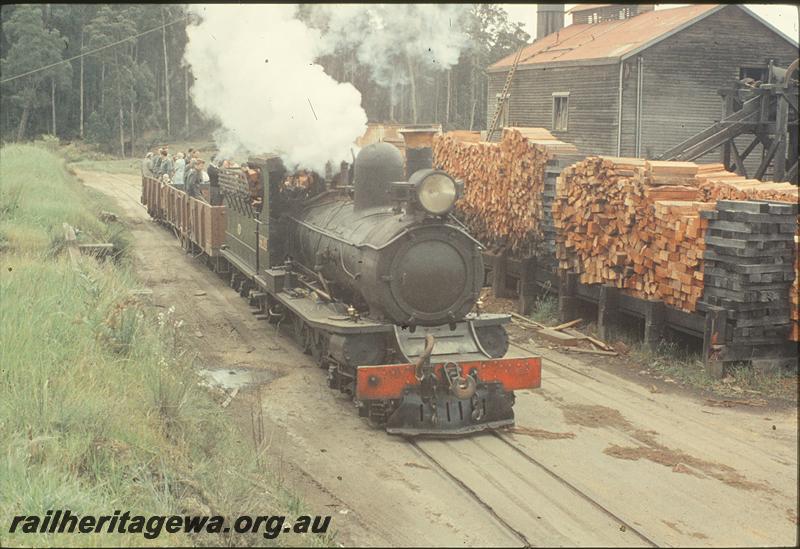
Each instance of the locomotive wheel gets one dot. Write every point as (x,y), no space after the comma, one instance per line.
(307,339)
(274,310)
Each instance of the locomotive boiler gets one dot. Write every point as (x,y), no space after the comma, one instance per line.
(391,249)
(380,283)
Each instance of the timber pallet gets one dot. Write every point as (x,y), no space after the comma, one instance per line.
(744,313)
(764,350)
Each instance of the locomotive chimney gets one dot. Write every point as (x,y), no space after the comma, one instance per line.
(419,146)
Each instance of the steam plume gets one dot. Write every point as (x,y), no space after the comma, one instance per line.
(387,36)
(254,72)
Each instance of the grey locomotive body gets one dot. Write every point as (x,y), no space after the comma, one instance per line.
(379,283)
(395,260)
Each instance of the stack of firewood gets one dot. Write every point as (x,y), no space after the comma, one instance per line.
(503,186)
(739,188)
(632,224)
(599,212)
(678,246)
(635,224)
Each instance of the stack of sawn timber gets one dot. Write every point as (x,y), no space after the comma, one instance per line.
(727,186)
(503,184)
(635,224)
(746,269)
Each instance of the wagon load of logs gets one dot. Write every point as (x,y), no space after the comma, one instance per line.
(636,224)
(503,184)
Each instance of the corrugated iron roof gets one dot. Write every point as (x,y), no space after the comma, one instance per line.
(606,40)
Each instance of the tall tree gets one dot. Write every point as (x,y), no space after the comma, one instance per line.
(166,66)
(32,47)
(116,69)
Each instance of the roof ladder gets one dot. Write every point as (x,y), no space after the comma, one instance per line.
(504,95)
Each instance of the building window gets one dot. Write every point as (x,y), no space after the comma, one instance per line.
(759,74)
(560,111)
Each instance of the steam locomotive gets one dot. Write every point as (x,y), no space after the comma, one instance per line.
(373,275)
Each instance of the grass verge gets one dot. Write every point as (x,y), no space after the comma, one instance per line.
(677,361)
(100,408)
(544,309)
(118,166)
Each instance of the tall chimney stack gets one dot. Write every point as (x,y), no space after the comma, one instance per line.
(549,19)
(419,146)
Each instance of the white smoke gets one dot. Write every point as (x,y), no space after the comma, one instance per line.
(255,73)
(255,70)
(387,36)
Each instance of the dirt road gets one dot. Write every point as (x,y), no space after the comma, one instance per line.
(595,459)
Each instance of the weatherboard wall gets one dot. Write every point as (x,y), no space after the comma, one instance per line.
(592,102)
(680,79)
(681,76)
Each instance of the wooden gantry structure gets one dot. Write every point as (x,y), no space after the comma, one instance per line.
(764,112)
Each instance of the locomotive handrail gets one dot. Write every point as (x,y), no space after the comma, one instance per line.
(344,269)
(372,246)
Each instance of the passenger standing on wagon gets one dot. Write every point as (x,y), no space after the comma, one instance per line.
(156,163)
(190,168)
(166,163)
(180,170)
(147,164)
(195,178)
(213,182)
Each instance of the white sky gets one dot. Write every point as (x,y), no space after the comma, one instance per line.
(781,16)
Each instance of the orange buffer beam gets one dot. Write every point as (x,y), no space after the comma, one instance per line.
(390,380)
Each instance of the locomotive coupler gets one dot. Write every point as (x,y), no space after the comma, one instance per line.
(461,387)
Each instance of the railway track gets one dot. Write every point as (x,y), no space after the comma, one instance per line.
(125,190)
(472,494)
(499,485)
(487,498)
(500,488)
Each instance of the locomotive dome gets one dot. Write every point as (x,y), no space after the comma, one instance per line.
(376,166)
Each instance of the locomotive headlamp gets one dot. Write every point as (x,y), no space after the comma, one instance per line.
(436,191)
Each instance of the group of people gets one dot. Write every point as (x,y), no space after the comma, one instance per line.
(187,171)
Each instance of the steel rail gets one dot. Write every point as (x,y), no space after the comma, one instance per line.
(516,533)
